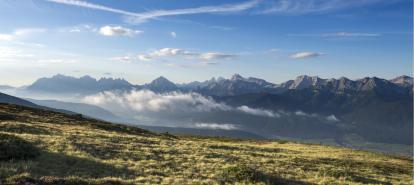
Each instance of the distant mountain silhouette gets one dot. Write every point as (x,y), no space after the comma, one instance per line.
(161,85)
(236,85)
(83,85)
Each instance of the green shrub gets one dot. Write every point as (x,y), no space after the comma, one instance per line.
(239,173)
(15,148)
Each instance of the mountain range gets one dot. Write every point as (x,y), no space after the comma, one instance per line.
(369,113)
(236,85)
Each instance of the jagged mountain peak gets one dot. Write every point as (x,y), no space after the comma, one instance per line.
(161,80)
(305,81)
(161,84)
(403,80)
(85,84)
(237,77)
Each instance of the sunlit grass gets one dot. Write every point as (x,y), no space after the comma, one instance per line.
(74,150)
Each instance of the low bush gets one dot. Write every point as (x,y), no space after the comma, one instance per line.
(15,148)
(240,173)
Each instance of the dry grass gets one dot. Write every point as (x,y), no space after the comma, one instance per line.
(75,150)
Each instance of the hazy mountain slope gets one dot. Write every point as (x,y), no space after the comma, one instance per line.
(378,115)
(4,98)
(68,149)
(81,108)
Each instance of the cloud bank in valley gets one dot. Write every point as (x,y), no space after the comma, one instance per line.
(214,126)
(188,110)
(148,101)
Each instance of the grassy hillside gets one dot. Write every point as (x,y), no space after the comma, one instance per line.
(44,147)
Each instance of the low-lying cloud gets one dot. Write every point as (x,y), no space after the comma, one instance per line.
(145,100)
(330,118)
(215,126)
(258,112)
(174,102)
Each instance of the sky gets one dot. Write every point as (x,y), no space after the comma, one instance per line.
(188,40)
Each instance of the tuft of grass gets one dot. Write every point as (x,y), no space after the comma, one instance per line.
(240,173)
(15,148)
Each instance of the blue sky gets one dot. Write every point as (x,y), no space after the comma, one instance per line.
(185,40)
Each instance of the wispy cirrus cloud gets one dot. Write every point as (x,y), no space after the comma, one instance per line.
(306,55)
(123,59)
(338,35)
(297,7)
(134,17)
(285,7)
(78,28)
(55,61)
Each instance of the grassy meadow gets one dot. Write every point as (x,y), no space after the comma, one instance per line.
(43,147)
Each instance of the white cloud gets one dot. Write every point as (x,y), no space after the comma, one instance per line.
(28,31)
(332,118)
(74,30)
(215,55)
(301,113)
(145,100)
(305,55)
(209,63)
(118,31)
(173,34)
(176,102)
(338,35)
(258,112)
(6,37)
(215,126)
(351,34)
(78,29)
(55,61)
(144,16)
(13,53)
(124,59)
(20,33)
(168,52)
(164,52)
(143,57)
